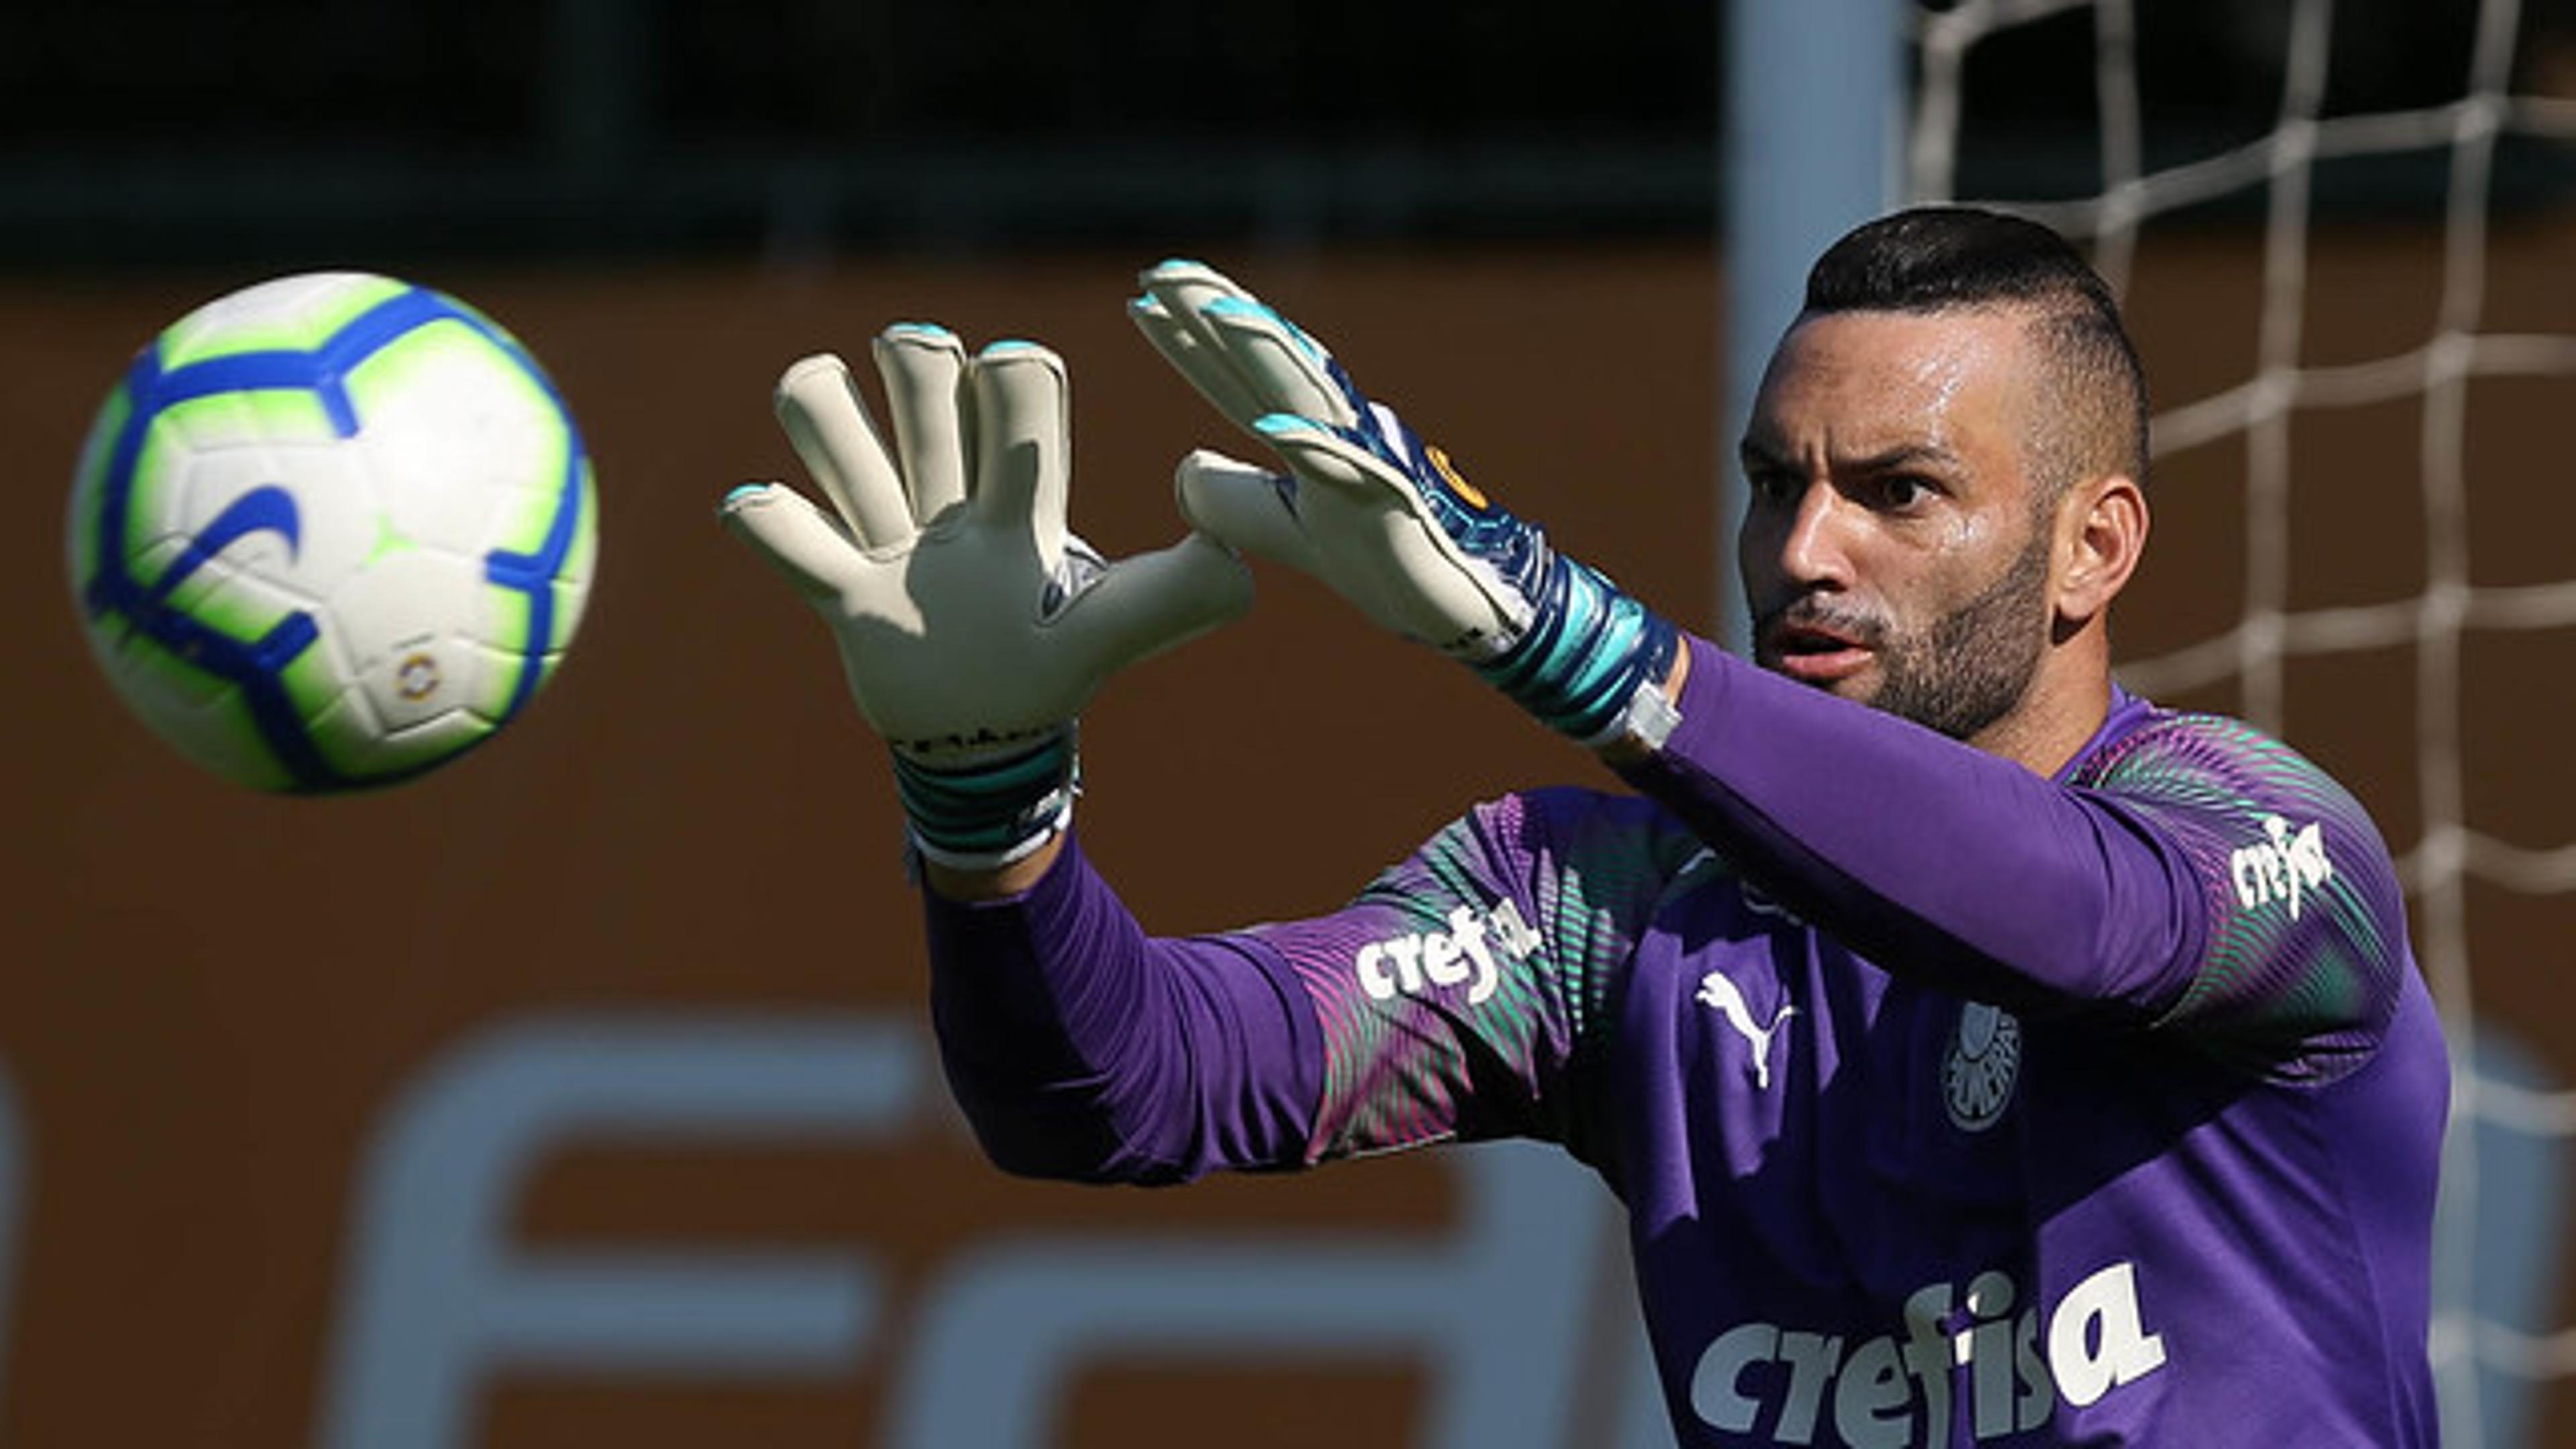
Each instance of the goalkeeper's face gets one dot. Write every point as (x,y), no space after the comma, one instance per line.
(1896,548)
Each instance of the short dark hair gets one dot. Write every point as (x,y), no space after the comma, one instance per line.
(1941,258)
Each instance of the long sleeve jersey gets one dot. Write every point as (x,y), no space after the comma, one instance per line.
(1949,1104)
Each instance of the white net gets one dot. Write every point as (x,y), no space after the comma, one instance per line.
(2494,1365)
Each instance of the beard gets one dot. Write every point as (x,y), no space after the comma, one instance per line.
(1970,667)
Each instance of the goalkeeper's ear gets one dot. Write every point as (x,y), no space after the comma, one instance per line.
(2101,531)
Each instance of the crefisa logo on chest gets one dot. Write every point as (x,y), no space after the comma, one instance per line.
(1980,1067)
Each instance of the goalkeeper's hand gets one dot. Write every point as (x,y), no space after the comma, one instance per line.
(972,625)
(1384,520)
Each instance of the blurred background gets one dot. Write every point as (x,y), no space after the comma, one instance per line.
(581,1093)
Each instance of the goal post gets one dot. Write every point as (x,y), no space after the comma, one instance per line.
(1815,112)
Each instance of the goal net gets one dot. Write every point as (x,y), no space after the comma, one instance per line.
(2359,318)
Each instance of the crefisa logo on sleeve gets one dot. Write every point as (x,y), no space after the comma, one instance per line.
(1419,962)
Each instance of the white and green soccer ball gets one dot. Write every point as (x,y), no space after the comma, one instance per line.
(331,531)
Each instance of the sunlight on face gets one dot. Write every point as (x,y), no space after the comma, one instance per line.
(1894,551)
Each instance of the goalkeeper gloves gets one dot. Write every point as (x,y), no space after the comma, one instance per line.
(972,625)
(1384,520)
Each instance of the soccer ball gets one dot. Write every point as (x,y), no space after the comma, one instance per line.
(331,531)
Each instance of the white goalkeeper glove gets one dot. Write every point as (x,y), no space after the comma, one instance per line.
(972,625)
(1385,521)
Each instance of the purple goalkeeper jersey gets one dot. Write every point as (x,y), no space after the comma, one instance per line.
(1950,1105)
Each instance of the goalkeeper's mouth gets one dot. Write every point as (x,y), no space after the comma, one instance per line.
(1812,653)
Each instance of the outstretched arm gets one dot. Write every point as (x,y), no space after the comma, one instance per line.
(2184,872)
(1958,866)
(972,627)
(1930,856)
(1080,1048)
(1459,995)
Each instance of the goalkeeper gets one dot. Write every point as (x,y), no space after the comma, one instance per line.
(1982,1053)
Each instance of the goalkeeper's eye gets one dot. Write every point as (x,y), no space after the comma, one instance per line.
(1902,492)
(1773,486)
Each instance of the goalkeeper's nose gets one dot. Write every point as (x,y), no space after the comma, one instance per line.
(1801,545)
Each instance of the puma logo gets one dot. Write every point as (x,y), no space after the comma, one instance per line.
(1722,995)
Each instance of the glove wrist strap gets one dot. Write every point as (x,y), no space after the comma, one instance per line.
(1593,661)
(987,812)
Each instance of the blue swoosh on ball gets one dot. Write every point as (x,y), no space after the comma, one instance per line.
(266,509)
